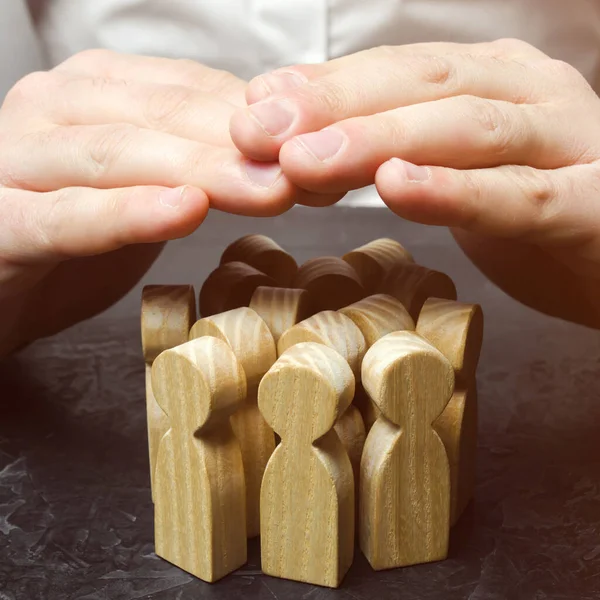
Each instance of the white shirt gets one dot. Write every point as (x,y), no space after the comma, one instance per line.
(248,37)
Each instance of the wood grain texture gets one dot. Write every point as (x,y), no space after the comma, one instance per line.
(307,496)
(456,330)
(252,343)
(264,254)
(331,283)
(280,308)
(413,284)
(376,316)
(350,428)
(405,475)
(332,329)
(230,286)
(200,512)
(167,313)
(374,260)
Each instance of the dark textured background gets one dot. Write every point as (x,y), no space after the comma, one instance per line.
(75,508)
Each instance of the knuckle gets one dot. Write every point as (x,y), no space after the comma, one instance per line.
(509,46)
(106,147)
(333,98)
(539,188)
(95,59)
(167,106)
(565,72)
(29,88)
(493,124)
(435,70)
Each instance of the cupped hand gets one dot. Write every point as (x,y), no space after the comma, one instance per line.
(103,159)
(495,140)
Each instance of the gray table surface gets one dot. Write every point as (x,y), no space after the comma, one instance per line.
(75,508)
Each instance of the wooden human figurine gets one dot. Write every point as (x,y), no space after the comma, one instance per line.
(376,316)
(264,254)
(280,308)
(200,513)
(412,284)
(332,329)
(339,332)
(405,475)
(230,286)
(375,259)
(330,281)
(456,330)
(307,495)
(252,343)
(168,312)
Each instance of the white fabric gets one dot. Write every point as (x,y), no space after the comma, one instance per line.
(251,36)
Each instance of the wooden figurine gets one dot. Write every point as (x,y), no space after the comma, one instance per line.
(307,495)
(332,329)
(252,343)
(280,308)
(230,286)
(404,474)
(375,259)
(168,312)
(331,283)
(200,513)
(376,316)
(412,284)
(264,254)
(456,330)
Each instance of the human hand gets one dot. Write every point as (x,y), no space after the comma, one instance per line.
(101,160)
(495,140)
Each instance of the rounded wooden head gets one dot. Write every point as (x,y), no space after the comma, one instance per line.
(373,260)
(409,380)
(280,308)
(198,384)
(332,329)
(413,284)
(379,315)
(168,312)
(264,254)
(331,282)
(456,330)
(247,335)
(230,286)
(305,392)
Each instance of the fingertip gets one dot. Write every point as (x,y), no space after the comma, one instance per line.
(250,138)
(414,192)
(181,211)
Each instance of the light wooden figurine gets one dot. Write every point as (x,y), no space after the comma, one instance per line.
(253,345)
(339,332)
(168,312)
(331,283)
(405,475)
(307,495)
(200,515)
(280,308)
(264,254)
(412,284)
(456,330)
(375,259)
(230,286)
(376,316)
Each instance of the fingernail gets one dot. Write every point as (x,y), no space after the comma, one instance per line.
(274,117)
(412,173)
(323,144)
(275,83)
(263,174)
(172,198)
